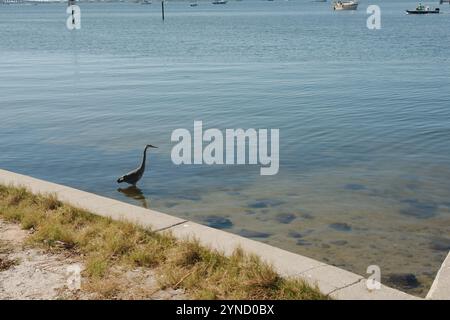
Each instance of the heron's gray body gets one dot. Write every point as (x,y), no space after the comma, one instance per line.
(134,176)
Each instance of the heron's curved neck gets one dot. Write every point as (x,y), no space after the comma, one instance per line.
(144,158)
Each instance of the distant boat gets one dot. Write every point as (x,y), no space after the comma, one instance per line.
(345,5)
(11,1)
(421,9)
(146,2)
(193,4)
(219,2)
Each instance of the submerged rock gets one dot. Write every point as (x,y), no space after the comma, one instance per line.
(405,281)
(285,218)
(218,222)
(253,234)
(440,244)
(420,210)
(295,234)
(340,226)
(257,205)
(264,203)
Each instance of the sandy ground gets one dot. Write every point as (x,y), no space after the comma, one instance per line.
(30,273)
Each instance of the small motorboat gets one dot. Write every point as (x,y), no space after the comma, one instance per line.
(219,2)
(345,5)
(421,9)
(193,4)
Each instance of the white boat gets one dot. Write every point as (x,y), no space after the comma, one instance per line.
(421,9)
(219,2)
(11,1)
(345,5)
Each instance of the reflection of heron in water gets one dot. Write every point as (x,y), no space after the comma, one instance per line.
(135,193)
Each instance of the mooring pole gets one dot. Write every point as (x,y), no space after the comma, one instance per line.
(162,9)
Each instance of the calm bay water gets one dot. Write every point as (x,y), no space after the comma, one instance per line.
(364,119)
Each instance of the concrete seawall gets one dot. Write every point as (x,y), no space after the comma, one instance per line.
(338,283)
(440,289)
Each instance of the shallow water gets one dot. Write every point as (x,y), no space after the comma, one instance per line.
(363,115)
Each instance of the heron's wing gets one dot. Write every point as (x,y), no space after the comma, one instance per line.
(131,173)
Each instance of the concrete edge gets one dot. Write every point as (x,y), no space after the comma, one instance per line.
(440,289)
(330,280)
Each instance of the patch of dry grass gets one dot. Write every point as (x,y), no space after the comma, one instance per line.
(104,244)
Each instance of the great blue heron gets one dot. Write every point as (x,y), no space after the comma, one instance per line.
(134,176)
